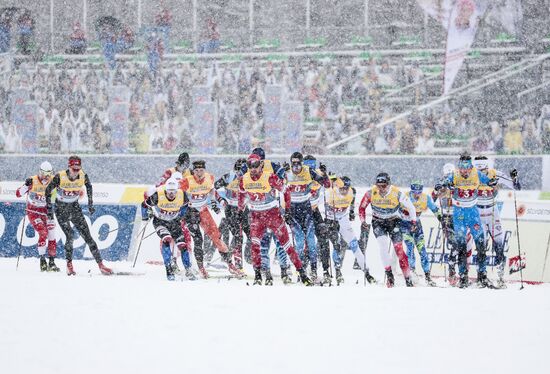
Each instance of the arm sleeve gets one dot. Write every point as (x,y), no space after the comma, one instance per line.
(24,188)
(407,203)
(279,184)
(431,205)
(89,189)
(363,206)
(278,170)
(167,174)
(53,184)
(322,179)
(483,178)
(242,195)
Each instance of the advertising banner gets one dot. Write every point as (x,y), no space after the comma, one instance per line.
(111,227)
(293,120)
(273,125)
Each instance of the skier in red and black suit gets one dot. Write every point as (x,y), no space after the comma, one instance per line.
(257,188)
(37,213)
(69,185)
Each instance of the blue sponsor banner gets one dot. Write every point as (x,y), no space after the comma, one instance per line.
(113,244)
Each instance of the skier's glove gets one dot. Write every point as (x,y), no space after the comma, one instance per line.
(323,168)
(91,209)
(286,166)
(438,187)
(365,226)
(144,213)
(513,173)
(215,207)
(49,209)
(352,215)
(439,216)
(288,217)
(413,226)
(493,182)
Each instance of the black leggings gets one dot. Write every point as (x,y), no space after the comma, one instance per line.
(72,212)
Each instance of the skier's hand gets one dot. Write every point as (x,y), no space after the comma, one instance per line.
(323,168)
(513,174)
(288,217)
(438,187)
(286,166)
(493,182)
(439,216)
(91,209)
(145,213)
(49,209)
(413,226)
(214,206)
(365,226)
(352,215)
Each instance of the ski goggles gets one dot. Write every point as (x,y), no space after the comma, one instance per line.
(417,188)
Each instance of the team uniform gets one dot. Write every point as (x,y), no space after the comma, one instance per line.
(386,225)
(466,217)
(258,192)
(37,213)
(490,215)
(198,216)
(415,238)
(167,216)
(302,225)
(339,205)
(67,210)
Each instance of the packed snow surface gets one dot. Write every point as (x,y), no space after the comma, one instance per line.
(51,323)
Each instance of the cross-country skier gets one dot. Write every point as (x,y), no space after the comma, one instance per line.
(490,214)
(182,166)
(199,187)
(299,181)
(465,184)
(257,189)
(415,238)
(168,204)
(385,200)
(339,214)
(68,184)
(37,213)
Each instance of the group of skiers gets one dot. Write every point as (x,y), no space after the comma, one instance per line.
(265,200)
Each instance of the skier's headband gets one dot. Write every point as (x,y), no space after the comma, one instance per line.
(75,163)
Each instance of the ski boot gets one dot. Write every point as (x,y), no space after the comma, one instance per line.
(304,278)
(175,267)
(313,274)
(409,282)
(104,269)
(463,281)
(429,281)
(339,277)
(189,274)
(356,265)
(52,266)
(43,264)
(327,280)
(268,278)
(453,279)
(235,271)
(285,277)
(257,277)
(70,270)
(369,277)
(170,273)
(390,281)
(203,272)
(483,281)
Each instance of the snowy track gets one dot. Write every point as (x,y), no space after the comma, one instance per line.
(50,323)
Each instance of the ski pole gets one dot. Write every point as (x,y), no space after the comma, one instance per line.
(545,258)
(20,242)
(519,244)
(140,241)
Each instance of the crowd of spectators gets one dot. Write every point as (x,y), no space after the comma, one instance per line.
(340,98)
